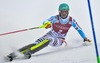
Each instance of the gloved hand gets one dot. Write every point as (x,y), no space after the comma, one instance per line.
(87,42)
(46,25)
(86,39)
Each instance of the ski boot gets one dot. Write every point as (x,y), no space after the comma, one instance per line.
(27,55)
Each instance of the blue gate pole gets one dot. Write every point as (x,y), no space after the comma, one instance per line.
(93,31)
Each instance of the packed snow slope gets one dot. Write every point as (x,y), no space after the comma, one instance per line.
(21,14)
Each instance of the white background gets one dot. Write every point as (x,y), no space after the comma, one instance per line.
(21,14)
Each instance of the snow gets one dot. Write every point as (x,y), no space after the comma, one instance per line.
(21,14)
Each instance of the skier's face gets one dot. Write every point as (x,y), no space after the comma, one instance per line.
(63,14)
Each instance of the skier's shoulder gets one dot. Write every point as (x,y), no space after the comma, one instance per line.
(72,19)
(74,22)
(53,18)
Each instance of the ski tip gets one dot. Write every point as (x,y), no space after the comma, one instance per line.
(7,59)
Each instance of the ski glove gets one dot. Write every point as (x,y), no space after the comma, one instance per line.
(47,24)
(87,42)
(86,39)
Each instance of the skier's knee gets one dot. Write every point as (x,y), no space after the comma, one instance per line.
(41,40)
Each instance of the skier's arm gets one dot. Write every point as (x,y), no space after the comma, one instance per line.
(47,23)
(80,31)
(77,27)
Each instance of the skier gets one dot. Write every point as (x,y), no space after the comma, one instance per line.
(60,25)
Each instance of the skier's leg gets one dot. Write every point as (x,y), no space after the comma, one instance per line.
(26,47)
(28,51)
(36,46)
(55,42)
(33,44)
(32,48)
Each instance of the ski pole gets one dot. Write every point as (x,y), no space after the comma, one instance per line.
(22,30)
(93,31)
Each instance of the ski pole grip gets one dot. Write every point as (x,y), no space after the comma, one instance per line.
(45,24)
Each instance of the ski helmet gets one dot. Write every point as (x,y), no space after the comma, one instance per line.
(63,6)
